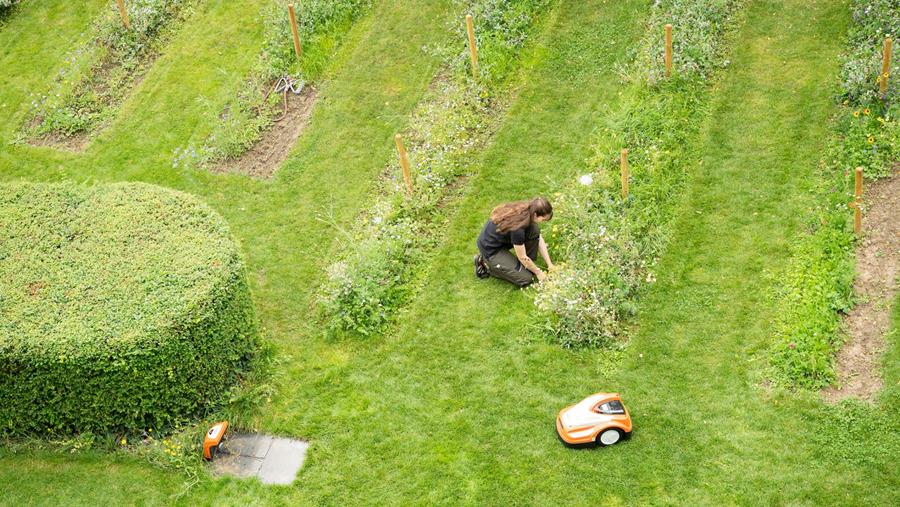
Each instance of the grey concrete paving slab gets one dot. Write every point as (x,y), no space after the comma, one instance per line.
(274,460)
(283,461)
(237,466)
(253,444)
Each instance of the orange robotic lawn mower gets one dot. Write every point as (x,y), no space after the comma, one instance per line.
(213,440)
(599,419)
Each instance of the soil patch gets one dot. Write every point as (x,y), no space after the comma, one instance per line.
(264,158)
(101,86)
(75,143)
(877,264)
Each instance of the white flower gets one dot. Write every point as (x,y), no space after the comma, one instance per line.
(586,179)
(376,220)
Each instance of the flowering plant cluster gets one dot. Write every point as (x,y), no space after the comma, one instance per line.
(101,72)
(818,283)
(873,20)
(610,244)
(376,273)
(321,25)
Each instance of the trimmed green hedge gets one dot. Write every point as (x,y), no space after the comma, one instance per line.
(122,307)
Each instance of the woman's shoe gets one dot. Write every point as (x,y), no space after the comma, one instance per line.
(481,269)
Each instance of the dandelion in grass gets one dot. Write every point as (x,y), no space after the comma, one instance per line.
(586,180)
(871,140)
(856,114)
(866,111)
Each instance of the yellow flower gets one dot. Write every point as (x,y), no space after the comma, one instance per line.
(856,114)
(846,102)
(866,111)
(124,441)
(871,140)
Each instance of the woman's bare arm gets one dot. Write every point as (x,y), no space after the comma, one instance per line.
(542,247)
(528,263)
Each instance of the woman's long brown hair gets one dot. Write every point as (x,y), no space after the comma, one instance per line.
(516,215)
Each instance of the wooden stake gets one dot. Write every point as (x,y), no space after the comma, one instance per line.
(404,163)
(473,50)
(886,65)
(668,50)
(294,29)
(624,165)
(124,14)
(857,208)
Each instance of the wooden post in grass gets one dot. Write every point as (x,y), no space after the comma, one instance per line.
(668,50)
(473,50)
(886,64)
(624,165)
(296,32)
(123,13)
(857,206)
(404,163)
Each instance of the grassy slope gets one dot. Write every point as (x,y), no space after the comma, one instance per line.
(457,405)
(481,397)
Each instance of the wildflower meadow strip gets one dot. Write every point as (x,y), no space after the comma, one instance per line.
(817,287)
(321,25)
(101,72)
(375,274)
(607,244)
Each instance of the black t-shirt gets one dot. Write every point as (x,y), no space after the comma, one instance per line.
(490,241)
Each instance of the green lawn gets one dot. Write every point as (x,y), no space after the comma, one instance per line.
(456,403)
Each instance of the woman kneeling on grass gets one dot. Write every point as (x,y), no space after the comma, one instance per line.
(514,225)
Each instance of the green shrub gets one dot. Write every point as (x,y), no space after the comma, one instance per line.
(608,245)
(373,277)
(121,307)
(817,291)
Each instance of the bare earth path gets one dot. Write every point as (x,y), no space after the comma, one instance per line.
(877,263)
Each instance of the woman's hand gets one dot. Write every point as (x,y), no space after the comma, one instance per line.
(551,267)
(541,276)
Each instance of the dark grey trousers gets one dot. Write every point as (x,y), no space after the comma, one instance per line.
(506,266)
